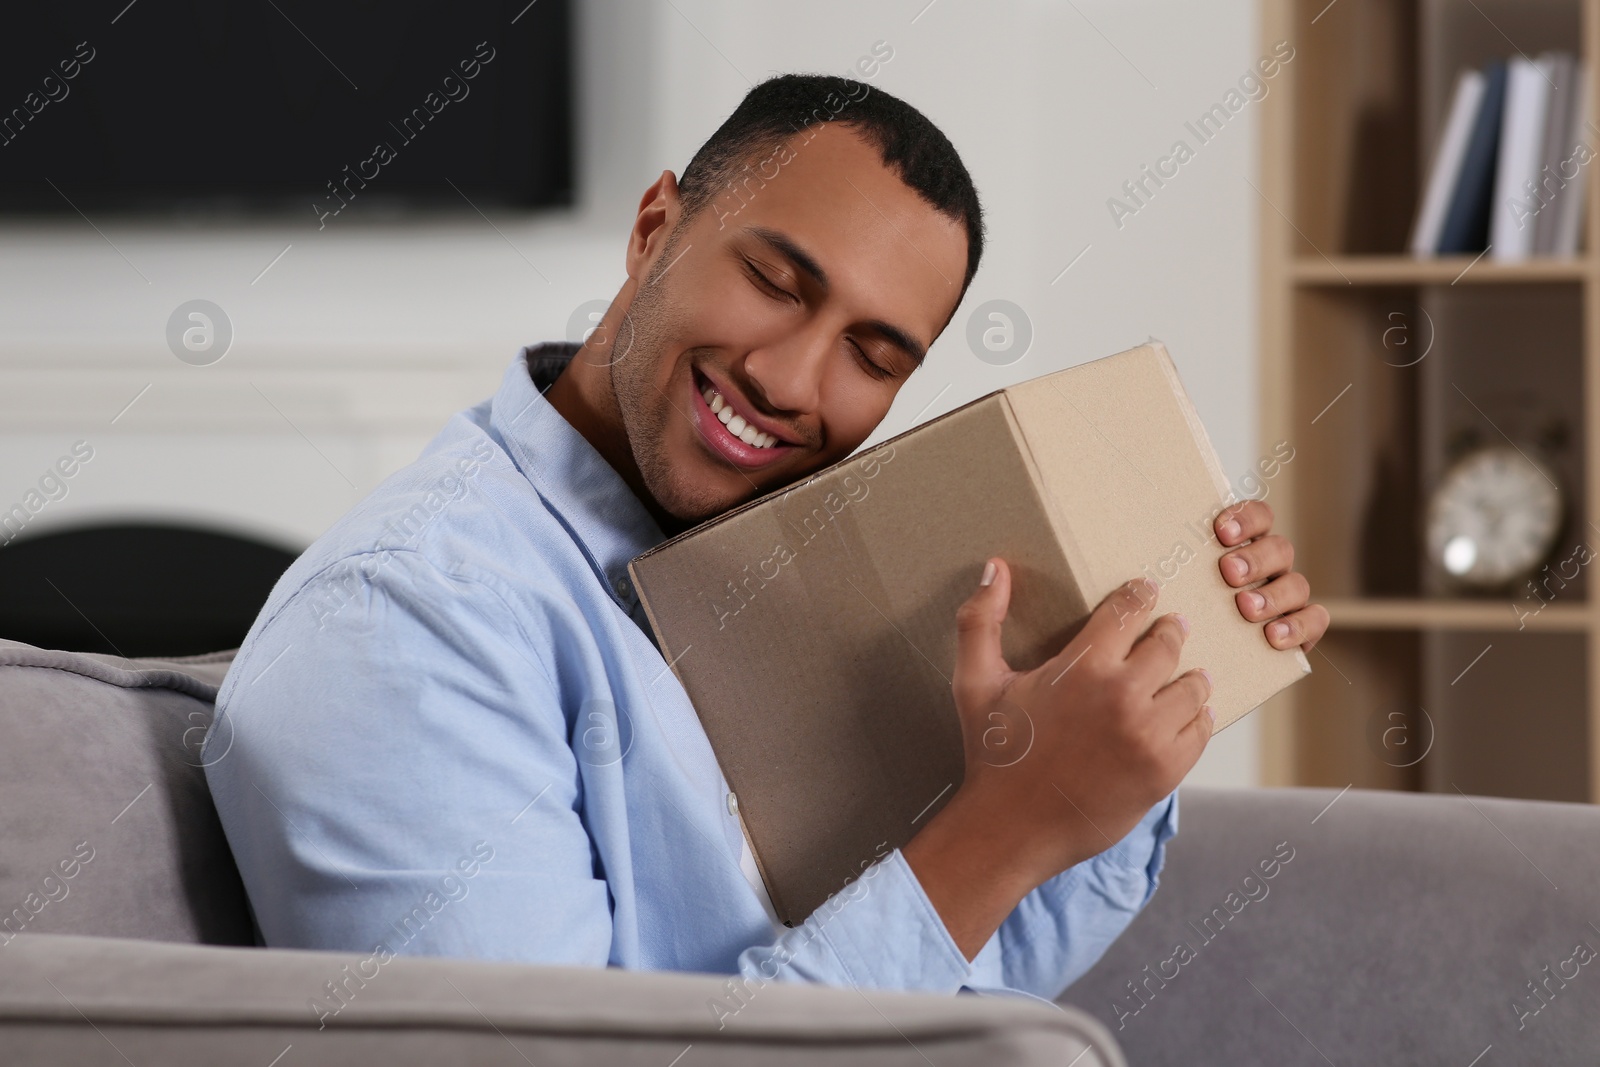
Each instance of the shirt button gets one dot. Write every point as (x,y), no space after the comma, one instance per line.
(733,804)
(623,587)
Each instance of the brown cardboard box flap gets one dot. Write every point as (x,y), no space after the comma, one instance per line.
(814,628)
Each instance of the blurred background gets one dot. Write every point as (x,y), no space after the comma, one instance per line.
(229,336)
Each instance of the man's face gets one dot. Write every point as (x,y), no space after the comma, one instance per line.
(801,302)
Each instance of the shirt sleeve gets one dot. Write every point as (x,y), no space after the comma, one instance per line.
(393,773)
(882,931)
(1065,925)
(878,932)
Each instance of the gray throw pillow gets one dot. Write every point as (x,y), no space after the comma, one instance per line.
(106,824)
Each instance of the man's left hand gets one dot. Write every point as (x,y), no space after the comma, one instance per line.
(1283,604)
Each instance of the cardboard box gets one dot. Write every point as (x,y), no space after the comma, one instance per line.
(814,628)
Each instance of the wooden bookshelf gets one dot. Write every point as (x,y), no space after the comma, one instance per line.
(1445,270)
(1394,613)
(1507,703)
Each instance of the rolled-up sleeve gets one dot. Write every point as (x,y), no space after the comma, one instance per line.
(1065,925)
(882,931)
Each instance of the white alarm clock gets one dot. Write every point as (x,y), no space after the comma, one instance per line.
(1495,517)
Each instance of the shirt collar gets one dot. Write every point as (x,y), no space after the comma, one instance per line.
(606,520)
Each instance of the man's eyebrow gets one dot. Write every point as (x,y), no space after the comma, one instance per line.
(900,339)
(786,246)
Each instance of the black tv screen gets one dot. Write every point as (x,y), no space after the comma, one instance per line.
(328,108)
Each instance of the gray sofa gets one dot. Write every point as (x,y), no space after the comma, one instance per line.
(1382,928)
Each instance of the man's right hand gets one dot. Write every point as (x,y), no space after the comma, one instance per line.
(1104,736)
(1110,735)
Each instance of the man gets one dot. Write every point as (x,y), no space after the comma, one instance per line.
(449,731)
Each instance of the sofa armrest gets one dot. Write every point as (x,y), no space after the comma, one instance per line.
(170,1003)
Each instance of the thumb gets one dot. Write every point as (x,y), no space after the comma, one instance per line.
(980,666)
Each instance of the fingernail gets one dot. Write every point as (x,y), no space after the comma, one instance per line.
(1255,600)
(1279,629)
(1236,566)
(1150,584)
(1182,620)
(989,571)
(1230,530)
(1209,682)
(1211,713)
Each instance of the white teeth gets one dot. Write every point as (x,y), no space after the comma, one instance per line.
(735,423)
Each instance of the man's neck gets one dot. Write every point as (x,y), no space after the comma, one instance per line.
(583,395)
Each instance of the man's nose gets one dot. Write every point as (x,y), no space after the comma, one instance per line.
(789,374)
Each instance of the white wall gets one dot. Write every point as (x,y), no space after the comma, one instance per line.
(361,339)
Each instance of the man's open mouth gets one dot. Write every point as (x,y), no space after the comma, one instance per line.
(731,433)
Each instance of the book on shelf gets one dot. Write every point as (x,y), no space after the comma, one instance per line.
(1511,221)
(1447,162)
(1558,125)
(1466,220)
(1569,203)
(1508,172)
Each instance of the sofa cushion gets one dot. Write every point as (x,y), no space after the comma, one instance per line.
(1308,926)
(174,1004)
(106,824)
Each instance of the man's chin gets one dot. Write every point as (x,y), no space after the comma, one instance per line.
(695,486)
(693,492)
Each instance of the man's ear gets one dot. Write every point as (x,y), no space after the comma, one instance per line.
(659,210)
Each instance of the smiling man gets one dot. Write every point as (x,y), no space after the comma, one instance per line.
(803,300)
(449,732)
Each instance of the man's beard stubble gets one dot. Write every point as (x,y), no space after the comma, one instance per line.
(646,413)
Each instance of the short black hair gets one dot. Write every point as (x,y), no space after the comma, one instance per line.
(906,140)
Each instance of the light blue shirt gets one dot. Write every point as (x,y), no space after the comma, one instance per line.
(450,733)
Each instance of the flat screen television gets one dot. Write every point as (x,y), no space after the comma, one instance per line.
(331,109)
